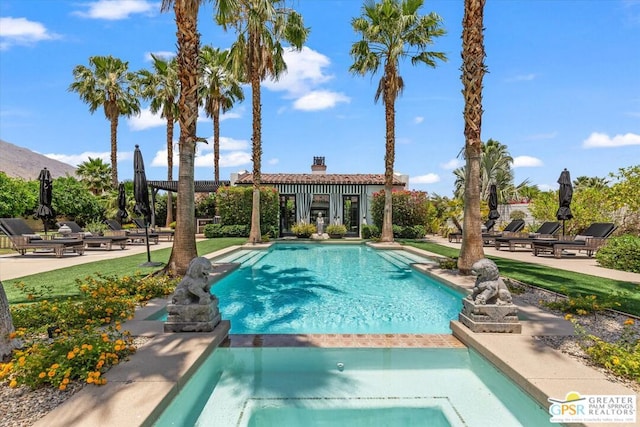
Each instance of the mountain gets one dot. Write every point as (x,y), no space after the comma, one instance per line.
(19,162)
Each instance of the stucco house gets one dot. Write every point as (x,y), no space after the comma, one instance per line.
(340,198)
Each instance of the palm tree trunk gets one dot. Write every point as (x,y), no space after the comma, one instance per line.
(7,344)
(170,119)
(114,150)
(216,141)
(254,234)
(184,242)
(473,70)
(389,158)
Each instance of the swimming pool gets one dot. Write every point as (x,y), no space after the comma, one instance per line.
(322,288)
(292,387)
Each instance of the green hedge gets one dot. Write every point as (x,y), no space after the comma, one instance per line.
(234,206)
(621,253)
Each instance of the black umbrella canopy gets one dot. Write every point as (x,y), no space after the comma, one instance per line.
(122,202)
(565,194)
(140,189)
(45,211)
(493,202)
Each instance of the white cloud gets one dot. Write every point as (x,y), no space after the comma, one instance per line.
(233,159)
(522,78)
(232,153)
(76,159)
(302,80)
(21,31)
(451,164)
(320,100)
(113,10)
(526,162)
(418,120)
(304,72)
(597,139)
(430,178)
(273,161)
(164,54)
(145,120)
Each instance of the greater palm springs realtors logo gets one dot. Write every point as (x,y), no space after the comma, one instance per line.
(593,408)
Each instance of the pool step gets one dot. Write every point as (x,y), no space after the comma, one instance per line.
(395,260)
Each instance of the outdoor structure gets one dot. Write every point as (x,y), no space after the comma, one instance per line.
(340,198)
(193,308)
(489,307)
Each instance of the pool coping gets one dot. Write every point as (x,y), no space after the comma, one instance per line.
(138,391)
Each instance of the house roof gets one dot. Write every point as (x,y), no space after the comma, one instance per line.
(308,178)
(200,186)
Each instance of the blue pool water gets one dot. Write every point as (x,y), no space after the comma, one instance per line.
(313,288)
(293,387)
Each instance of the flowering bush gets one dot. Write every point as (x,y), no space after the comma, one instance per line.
(77,339)
(621,357)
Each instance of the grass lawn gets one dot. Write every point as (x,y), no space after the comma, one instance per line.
(562,281)
(62,282)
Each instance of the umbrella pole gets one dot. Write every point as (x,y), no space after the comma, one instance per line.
(146,238)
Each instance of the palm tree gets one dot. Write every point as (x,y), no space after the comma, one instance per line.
(392,30)
(162,88)
(95,174)
(473,70)
(495,168)
(221,90)
(184,241)
(583,182)
(261,26)
(107,83)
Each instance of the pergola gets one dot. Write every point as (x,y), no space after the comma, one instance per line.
(199,187)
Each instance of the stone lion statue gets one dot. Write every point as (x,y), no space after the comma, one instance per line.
(195,285)
(489,287)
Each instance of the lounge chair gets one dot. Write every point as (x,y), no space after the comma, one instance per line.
(161,233)
(546,230)
(456,236)
(93,241)
(23,238)
(590,240)
(133,236)
(513,227)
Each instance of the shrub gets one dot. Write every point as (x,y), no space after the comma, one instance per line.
(621,253)
(621,357)
(370,232)
(302,229)
(448,263)
(84,335)
(235,204)
(517,214)
(336,229)
(584,304)
(219,230)
(408,208)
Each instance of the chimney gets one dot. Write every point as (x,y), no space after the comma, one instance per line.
(318,167)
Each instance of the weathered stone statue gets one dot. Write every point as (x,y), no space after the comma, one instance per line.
(489,307)
(193,308)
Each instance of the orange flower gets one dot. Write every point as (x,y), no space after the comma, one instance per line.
(42,375)
(629,322)
(13,384)
(71,355)
(62,387)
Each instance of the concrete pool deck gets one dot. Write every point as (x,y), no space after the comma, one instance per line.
(138,389)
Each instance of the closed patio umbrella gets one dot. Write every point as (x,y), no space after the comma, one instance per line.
(45,211)
(565,194)
(493,202)
(122,202)
(141,194)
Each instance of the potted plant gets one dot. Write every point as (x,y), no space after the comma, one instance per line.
(303,230)
(96,227)
(336,231)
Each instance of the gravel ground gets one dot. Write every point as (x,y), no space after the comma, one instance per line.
(22,407)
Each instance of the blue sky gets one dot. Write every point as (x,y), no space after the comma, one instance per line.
(563,90)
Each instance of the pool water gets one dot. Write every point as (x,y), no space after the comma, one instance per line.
(292,387)
(313,288)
